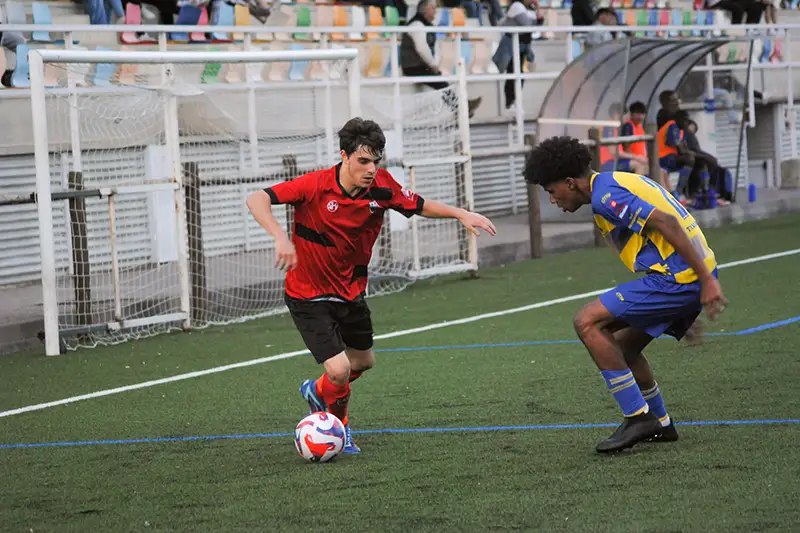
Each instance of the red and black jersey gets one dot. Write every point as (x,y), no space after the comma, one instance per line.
(334,232)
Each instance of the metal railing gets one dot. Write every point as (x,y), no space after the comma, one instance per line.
(396,79)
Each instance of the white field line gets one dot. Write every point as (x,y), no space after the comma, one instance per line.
(287,355)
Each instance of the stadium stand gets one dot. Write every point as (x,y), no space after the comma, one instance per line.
(300,19)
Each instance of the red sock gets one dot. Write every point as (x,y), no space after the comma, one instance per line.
(355,374)
(335,396)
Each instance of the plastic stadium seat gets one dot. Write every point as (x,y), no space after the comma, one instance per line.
(133,17)
(241,17)
(187,16)
(303,21)
(374,18)
(286,17)
(675,19)
(777,51)
(103,72)
(358,20)
(222,16)
(466,53)
(481,62)
(211,71)
(297,70)
(41,16)
(444,20)
(392,18)
(15,13)
(447,56)
(22,70)
(233,73)
(253,70)
(127,71)
(278,70)
(458,16)
(339,20)
(375,63)
(199,36)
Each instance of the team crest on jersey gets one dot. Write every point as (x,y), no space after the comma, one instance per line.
(373,206)
(408,194)
(619,209)
(333,205)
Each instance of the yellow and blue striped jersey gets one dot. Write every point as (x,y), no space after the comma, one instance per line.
(622,203)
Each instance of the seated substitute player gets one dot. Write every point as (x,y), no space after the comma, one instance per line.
(626,159)
(338,214)
(654,234)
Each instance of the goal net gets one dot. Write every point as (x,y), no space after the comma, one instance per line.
(145,160)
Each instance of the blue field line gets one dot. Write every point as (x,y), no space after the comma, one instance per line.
(390,431)
(747,331)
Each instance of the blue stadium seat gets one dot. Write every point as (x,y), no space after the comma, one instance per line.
(41,15)
(297,71)
(187,16)
(22,71)
(103,71)
(222,15)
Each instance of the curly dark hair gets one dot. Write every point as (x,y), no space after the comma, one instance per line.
(358,132)
(557,159)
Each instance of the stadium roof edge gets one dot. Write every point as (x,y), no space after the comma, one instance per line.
(622,72)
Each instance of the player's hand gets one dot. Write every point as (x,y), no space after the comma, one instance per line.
(473,221)
(287,256)
(712,299)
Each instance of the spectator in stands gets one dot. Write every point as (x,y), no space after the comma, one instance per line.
(167,9)
(520,13)
(737,9)
(582,12)
(9,40)
(771,14)
(605,17)
(104,11)
(417,54)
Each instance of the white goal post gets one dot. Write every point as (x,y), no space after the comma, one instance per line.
(144,161)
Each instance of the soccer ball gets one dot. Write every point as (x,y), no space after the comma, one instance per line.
(319,437)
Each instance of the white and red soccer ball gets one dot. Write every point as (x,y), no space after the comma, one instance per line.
(319,437)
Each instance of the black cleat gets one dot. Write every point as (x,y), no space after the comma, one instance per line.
(667,434)
(634,430)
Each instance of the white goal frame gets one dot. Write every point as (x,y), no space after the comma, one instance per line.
(37,60)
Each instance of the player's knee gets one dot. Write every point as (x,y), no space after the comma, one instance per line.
(338,369)
(361,360)
(583,322)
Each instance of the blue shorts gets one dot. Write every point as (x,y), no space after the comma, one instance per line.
(669,163)
(623,165)
(655,304)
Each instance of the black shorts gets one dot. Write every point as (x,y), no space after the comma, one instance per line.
(328,327)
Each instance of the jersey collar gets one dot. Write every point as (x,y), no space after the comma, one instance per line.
(341,188)
(591,181)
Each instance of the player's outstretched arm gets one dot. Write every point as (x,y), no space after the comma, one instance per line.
(670,227)
(260,205)
(471,221)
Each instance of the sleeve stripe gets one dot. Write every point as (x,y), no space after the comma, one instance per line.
(420,204)
(272,196)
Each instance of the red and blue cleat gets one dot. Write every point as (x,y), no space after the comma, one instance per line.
(349,446)
(309,391)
